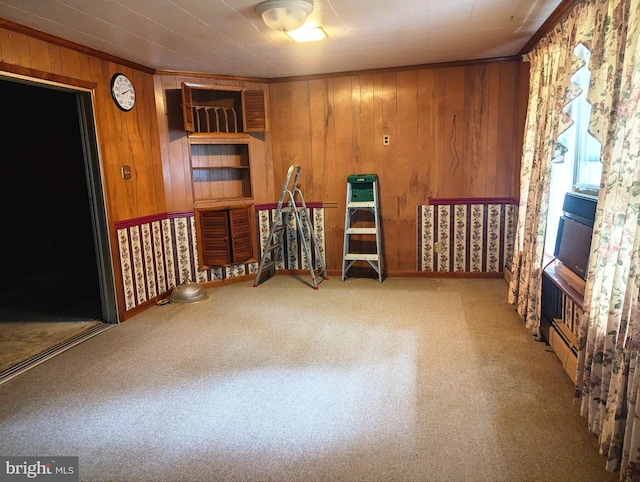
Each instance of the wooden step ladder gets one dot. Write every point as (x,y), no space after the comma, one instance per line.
(362,194)
(292,212)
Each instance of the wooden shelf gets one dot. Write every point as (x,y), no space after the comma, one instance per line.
(220,167)
(224,203)
(216,137)
(551,272)
(220,170)
(561,307)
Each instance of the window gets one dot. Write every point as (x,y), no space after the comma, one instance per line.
(579,169)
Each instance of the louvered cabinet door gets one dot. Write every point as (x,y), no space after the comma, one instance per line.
(214,241)
(225,236)
(255,114)
(241,235)
(187,108)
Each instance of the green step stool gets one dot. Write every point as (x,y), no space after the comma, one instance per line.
(362,187)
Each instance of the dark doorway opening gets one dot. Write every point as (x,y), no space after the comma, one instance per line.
(49,270)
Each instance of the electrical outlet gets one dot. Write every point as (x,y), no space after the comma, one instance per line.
(437,247)
(385,140)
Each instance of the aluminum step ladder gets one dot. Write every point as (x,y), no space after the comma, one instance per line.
(362,194)
(292,212)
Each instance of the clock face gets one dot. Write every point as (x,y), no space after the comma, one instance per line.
(123,92)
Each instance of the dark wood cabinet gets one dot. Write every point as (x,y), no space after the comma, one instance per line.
(218,120)
(225,236)
(218,109)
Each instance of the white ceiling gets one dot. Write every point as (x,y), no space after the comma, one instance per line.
(228,37)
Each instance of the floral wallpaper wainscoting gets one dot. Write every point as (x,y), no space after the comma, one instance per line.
(292,255)
(159,252)
(466,235)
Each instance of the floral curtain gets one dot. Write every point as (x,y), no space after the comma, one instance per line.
(608,386)
(550,90)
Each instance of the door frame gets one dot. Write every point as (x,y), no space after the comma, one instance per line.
(84,93)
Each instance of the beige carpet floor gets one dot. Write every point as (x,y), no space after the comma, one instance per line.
(411,379)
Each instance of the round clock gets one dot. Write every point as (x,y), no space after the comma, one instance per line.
(123,92)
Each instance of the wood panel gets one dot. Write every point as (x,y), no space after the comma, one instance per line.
(456,163)
(124,138)
(423,178)
(507,117)
(387,170)
(406,193)
(493,136)
(55,59)
(324,158)
(301,130)
(40,55)
(453,131)
(367,122)
(476,129)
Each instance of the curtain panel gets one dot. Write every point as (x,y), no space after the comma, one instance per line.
(550,90)
(608,385)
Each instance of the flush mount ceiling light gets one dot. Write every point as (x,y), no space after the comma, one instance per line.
(308,34)
(284,15)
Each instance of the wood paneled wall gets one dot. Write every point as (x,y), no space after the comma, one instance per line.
(124,138)
(175,147)
(454,133)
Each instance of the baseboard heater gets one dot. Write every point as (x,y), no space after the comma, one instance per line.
(567,356)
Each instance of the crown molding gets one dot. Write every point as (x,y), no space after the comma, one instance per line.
(53,39)
(561,12)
